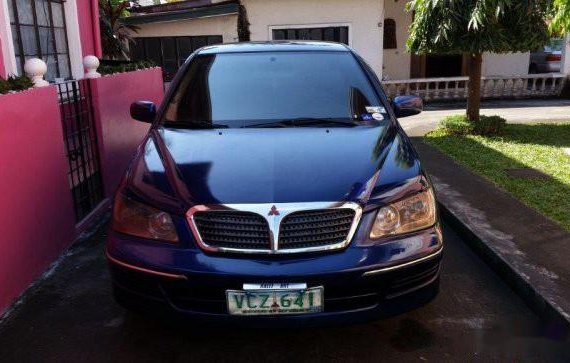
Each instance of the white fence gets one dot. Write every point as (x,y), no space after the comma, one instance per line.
(455,88)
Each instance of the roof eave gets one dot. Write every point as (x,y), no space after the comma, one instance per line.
(195,13)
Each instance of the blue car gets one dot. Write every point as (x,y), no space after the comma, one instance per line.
(275,187)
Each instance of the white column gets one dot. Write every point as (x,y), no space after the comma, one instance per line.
(565,63)
(6,43)
(74,38)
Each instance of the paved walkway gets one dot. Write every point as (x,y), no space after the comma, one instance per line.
(515,111)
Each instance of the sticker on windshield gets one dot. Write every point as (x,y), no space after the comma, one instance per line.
(375,109)
(367,117)
(377,116)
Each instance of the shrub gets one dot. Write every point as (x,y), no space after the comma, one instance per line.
(4,86)
(457,125)
(15,84)
(490,125)
(485,126)
(125,67)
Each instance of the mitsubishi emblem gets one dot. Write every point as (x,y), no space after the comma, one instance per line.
(273,211)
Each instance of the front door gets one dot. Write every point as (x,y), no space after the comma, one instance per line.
(437,66)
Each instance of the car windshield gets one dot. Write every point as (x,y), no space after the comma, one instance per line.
(555,45)
(286,89)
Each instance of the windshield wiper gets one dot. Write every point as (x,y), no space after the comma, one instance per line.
(304,121)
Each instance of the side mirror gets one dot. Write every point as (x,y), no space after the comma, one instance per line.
(405,106)
(144,111)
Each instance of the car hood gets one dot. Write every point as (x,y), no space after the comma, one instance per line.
(281,165)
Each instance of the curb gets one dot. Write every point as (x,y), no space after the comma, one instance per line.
(538,303)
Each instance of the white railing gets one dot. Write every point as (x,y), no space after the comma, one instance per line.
(455,88)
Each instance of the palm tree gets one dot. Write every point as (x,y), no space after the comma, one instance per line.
(476,26)
(115,35)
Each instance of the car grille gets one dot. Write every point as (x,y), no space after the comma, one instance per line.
(240,230)
(307,230)
(316,228)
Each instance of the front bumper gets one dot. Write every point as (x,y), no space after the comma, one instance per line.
(360,283)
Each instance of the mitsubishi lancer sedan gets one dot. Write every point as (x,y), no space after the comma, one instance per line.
(275,186)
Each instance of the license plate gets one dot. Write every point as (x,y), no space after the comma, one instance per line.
(275,302)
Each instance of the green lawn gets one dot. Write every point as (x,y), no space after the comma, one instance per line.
(539,146)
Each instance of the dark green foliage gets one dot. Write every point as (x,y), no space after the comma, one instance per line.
(477,26)
(560,23)
(125,67)
(490,125)
(4,86)
(485,125)
(244,34)
(115,36)
(15,84)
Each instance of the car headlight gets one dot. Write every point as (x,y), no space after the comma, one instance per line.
(411,214)
(137,219)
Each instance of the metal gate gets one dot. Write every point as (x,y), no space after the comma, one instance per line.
(80,136)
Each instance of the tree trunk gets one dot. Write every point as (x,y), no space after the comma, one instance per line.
(474,99)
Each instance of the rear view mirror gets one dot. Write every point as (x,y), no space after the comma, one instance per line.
(405,106)
(144,111)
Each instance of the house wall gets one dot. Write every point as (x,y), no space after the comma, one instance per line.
(225,25)
(362,16)
(397,62)
(505,64)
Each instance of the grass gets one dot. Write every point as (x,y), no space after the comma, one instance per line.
(538,146)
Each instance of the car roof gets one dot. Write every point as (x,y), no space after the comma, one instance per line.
(274,46)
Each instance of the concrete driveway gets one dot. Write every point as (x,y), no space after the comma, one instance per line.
(71,317)
(514,111)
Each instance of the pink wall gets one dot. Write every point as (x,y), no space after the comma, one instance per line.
(118,134)
(36,211)
(37,220)
(88,15)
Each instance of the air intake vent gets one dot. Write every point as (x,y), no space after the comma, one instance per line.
(315,228)
(233,229)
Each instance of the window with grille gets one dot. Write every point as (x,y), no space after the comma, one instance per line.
(170,52)
(39,31)
(337,34)
(390,41)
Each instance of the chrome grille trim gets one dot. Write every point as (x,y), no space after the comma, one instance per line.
(274,222)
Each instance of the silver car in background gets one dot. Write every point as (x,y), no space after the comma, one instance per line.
(548,59)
